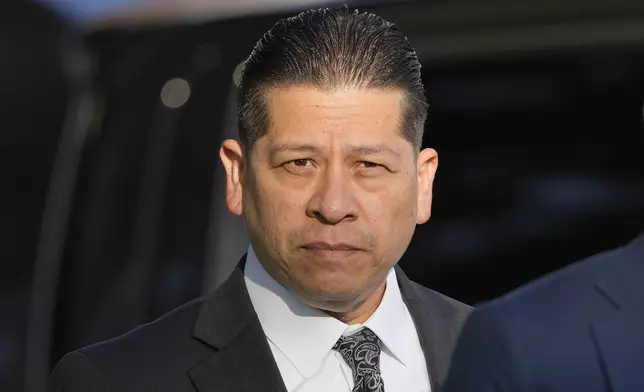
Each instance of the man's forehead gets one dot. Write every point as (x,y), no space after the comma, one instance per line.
(359,112)
(308,95)
(304,118)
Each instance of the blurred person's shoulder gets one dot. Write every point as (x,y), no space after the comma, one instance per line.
(581,290)
(530,334)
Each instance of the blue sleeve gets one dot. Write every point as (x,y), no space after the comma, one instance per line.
(487,358)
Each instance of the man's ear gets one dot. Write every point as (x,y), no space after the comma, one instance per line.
(426,167)
(231,154)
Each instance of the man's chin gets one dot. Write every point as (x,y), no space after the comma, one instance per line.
(332,301)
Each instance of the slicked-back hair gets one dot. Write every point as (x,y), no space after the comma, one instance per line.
(331,48)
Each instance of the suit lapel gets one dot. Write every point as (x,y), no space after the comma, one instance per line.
(438,323)
(243,360)
(620,335)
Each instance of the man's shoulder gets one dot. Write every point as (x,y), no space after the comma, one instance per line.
(439,321)
(173,327)
(163,349)
(446,307)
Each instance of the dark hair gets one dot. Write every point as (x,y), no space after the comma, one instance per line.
(329,48)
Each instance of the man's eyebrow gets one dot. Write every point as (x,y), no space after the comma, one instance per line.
(354,149)
(374,150)
(292,148)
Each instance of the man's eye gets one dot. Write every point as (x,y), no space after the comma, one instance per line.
(369,164)
(298,165)
(300,162)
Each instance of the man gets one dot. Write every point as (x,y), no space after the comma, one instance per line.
(331,180)
(579,329)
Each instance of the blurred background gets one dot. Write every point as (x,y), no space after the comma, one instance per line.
(112,111)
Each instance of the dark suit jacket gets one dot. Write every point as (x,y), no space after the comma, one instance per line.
(580,329)
(216,343)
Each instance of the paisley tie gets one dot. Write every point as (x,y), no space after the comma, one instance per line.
(361,351)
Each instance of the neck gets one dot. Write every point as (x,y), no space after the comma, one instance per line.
(364,310)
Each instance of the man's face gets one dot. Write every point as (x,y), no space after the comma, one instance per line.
(332,193)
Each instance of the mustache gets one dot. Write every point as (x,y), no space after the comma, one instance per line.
(330,240)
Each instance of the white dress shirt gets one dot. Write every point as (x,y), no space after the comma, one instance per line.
(301,338)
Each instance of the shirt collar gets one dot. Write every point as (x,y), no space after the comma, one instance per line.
(306,335)
(392,322)
(303,334)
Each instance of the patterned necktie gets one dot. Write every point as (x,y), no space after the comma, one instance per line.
(361,351)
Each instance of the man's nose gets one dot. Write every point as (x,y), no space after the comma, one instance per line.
(334,200)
